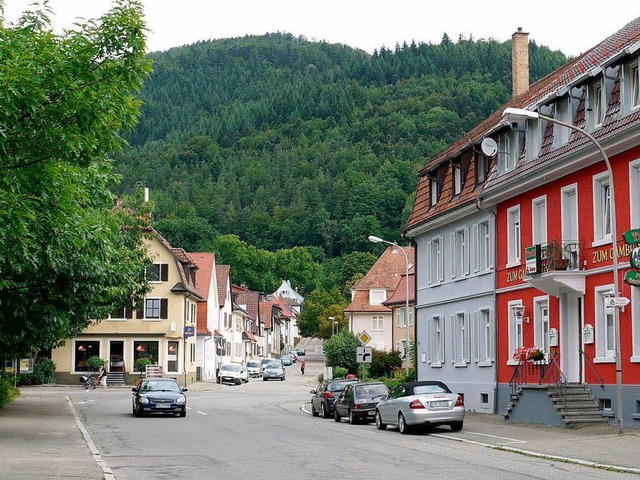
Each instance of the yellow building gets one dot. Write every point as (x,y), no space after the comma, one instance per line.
(162,329)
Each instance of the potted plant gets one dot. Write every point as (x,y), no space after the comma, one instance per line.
(535,354)
(555,256)
(95,363)
(141,366)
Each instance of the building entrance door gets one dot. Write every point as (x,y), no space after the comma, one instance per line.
(570,336)
(116,356)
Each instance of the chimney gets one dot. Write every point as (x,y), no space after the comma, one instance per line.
(520,62)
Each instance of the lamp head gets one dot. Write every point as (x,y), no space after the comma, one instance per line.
(518,114)
(374,239)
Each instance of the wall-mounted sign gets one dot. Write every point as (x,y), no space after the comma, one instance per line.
(189,331)
(532,259)
(632,236)
(632,277)
(587,334)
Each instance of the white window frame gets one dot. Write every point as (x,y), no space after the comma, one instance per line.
(563,113)
(507,152)
(460,257)
(595,105)
(485,337)
(534,139)
(377,323)
(436,264)
(483,246)
(456,170)
(434,191)
(539,220)
(635,325)
(146,308)
(601,206)
(634,194)
(399,312)
(631,87)
(481,168)
(514,242)
(461,339)
(515,331)
(541,323)
(377,296)
(603,314)
(436,341)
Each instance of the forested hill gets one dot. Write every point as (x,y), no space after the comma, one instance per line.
(285,142)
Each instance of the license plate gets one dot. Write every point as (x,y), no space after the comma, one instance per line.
(163,405)
(439,404)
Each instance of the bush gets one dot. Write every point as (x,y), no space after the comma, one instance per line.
(340,372)
(384,363)
(141,364)
(43,372)
(7,391)
(95,363)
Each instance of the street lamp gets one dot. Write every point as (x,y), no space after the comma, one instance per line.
(374,239)
(334,324)
(515,114)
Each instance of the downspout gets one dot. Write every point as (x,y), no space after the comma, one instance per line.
(495,307)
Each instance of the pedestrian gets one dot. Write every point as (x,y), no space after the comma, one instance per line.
(102,377)
(302,366)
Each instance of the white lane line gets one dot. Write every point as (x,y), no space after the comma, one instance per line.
(509,440)
(202,413)
(108,473)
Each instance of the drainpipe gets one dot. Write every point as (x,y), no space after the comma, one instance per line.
(495,307)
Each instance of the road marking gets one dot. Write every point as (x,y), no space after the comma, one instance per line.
(88,401)
(202,413)
(510,440)
(108,473)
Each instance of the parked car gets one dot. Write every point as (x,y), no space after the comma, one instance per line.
(325,395)
(159,395)
(300,351)
(287,361)
(232,373)
(294,356)
(273,369)
(358,401)
(254,368)
(426,403)
(266,360)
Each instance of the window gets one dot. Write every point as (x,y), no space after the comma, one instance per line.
(541,323)
(145,349)
(631,90)
(152,308)
(563,114)
(83,350)
(400,347)
(457,178)
(173,356)
(605,326)
(434,191)
(634,192)
(121,313)
(400,314)
(539,220)
(515,330)
(158,272)
(377,296)
(377,322)
(461,253)
(485,337)
(484,247)
(436,261)
(534,139)
(601,209)
(436,341)
(513,236)
(482,165)
(595,106)
(461,345)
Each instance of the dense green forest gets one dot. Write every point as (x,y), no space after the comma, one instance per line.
(268,148)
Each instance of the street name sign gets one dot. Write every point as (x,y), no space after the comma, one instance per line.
(364,355)
(616,301)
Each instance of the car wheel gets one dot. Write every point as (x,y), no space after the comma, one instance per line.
(456,426)
(138,412)
(264,379)
(402,424)
(352,418)
(336,415)
(314,412)
(238,382)
(323,409)
(379,424)
(282,379)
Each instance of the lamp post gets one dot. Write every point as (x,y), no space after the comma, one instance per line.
(515,114)
(374,239)
(334,324)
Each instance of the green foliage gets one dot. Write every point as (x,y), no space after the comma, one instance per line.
(293,143)
(340,372)
(384,364)
(340,351)
(7,391)
(141,364)
(319,305)
(44,371)
(67,255)
(95,363)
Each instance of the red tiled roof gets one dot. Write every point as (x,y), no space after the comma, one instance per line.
(265,313)
(399,297)
(251,300)
(542,91)
(222,276)
(360,303)
(249,335)
(206,262)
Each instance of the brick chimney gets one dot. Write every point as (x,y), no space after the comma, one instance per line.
(520,62)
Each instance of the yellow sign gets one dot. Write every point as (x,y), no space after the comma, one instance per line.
(364,338)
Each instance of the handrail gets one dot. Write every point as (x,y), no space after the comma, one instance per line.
(517,378)
(558,377)
(593,369)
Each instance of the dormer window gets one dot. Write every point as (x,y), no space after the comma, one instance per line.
(563,114)
(508,149)
(595,105)
(434,191)
(456,171)
(377,296)
(482,164)
(631,87)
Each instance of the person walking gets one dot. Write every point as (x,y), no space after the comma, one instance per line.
(302,366)
(102,377)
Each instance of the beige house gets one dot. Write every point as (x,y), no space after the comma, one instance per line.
(162,329)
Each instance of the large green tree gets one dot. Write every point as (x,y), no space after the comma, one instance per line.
(69,255)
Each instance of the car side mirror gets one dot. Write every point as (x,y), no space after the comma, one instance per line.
(185,389)
(134,389)
(312,392)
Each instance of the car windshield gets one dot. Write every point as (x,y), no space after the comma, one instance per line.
(160,386)
(371,391)
(273,365)
(230,368)
(424,389)
(253,364)
(338,386)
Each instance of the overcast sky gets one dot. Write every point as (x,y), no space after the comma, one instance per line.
(366,24)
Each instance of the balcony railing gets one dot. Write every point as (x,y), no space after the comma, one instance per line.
(554,255)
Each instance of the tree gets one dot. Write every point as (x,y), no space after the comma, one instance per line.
(340,350)
(68,256)
(318,306)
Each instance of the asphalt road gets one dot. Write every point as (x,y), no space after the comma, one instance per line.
(259,431)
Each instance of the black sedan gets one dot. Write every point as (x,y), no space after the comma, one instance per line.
(159,395)
(358,401)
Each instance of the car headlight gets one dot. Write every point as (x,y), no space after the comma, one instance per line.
(181,400)
(143,400)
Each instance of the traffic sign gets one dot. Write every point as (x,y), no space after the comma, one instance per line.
(364,355)
(364,337)
(616,301)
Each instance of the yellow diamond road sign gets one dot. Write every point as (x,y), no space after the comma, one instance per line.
(364,338)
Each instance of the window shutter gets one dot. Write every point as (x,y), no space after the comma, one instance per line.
(467,338)
(429,264)
(140,311)
(164,272)
(454,338)
(467,252)
(163,308)
(454,258)
(492,247)
(128,313)
(476,330)
(474,247)
(492,319)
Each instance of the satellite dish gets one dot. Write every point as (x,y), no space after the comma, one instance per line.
(489,147)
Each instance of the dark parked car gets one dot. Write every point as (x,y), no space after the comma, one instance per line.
(425,403)
(358,401)
(159,395)
(325,395)
(300,351)
(273,369)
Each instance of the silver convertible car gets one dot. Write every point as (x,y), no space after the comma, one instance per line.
(425,403)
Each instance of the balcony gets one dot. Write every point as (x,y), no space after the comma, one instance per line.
(554,267)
